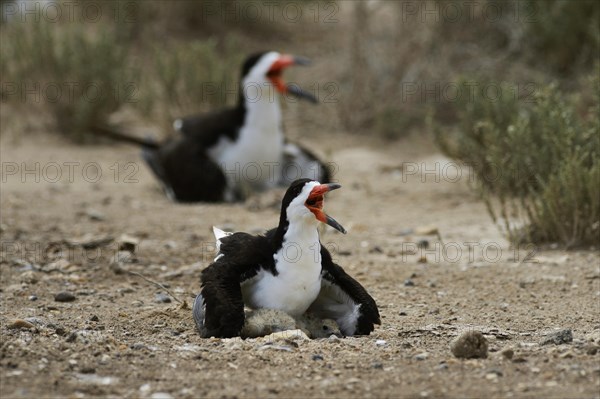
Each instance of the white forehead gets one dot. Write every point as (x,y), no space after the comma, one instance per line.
(264,64)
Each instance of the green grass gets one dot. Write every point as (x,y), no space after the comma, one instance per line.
(537,163)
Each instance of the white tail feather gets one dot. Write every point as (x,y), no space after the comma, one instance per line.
(218,235)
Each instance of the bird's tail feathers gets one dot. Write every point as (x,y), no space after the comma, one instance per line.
(218,235)
(110,132)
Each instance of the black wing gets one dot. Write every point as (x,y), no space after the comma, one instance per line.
(343,299)
(221,305)
(185,168)
(207,129)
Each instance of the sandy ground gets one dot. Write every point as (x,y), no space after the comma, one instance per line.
(118,339)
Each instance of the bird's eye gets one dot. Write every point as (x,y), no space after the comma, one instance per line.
(325,328)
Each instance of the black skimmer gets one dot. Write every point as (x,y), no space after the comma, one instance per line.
(225,155)
(286,269)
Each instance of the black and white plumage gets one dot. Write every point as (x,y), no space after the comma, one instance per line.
(228,154)
(286,269)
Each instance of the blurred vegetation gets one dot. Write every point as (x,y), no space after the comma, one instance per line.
(563,34)
(156,59)
(399,50)
(80,76)
(536,159)
(190,77)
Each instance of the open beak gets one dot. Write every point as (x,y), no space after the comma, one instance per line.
(276,71)
(315,201)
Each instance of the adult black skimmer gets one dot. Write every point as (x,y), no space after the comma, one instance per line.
(227,154)
(286,269)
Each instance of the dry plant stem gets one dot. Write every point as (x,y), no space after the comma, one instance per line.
(183,303)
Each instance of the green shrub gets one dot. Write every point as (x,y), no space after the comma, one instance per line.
(537,163)
(79,73)
(563,34)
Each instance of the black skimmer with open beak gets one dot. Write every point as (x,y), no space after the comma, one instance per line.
(225,155)
(242,149)
(286,269)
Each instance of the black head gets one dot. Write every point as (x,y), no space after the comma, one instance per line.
(267,67)
(303,202)
(250,61)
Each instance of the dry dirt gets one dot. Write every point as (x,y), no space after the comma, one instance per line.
(116,340)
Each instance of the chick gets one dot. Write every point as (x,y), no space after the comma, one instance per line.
(261,322)
(317,328)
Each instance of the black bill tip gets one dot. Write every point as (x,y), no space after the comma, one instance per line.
(333,223)
(296,91)
(298,60)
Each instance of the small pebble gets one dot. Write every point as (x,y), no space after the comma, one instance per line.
(60,330)
(441,366)
(128,243)
(20,324)
(508,353)
(558,338)
(138,346)
(470,345)
(33,298)
(497,372)
(95,215)
(377,365)
(422,356)
(94,318)
(161,395)
(381,342)
(72,337)
(64,297)
(116,267)
(409,283)
(162,298)
(376,250)
(317,357)
(87,370)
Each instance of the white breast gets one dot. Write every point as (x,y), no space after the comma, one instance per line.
(298,283)
(253,161)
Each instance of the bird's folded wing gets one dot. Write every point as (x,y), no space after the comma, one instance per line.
(346,301)
(240,257)
(207,129)
(223,303)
